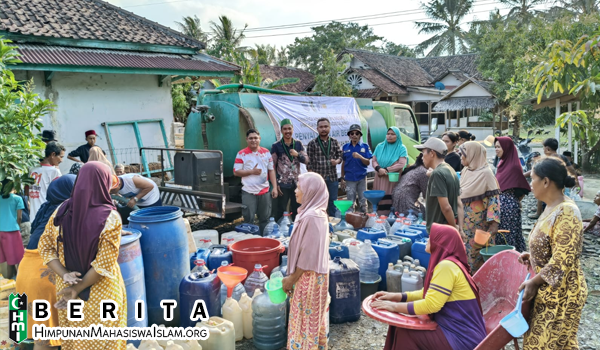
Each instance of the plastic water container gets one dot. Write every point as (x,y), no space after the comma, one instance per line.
(368,262)
(284,265)
(411,216)
(370,233)
(204,243)
(235,235)
(393,279)
(196,286)
(413,235)
(379,225)
(397,226)
(256,280)
(269,228)
(200,254)
(218,254)
(284,223)
(353,246)
(388,253)
(371,220)
(386,224)
(200,266)
(268,323)
(403,243)
(338,249)
(221,334)
(238,291)
(418,252)
(392,216)
(344,288)
(233,312)
(420,228)
(411,281)
(149,344)
(248,229)
(246,305)
(212,235)
(342,235)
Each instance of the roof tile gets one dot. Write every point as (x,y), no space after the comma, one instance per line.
(307,80)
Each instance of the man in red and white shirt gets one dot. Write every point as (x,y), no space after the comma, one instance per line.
(43,176)
(253,164)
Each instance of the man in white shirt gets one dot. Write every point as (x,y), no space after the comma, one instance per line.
(254,164)
(43,176)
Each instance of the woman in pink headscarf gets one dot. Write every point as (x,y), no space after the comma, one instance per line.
(308,266)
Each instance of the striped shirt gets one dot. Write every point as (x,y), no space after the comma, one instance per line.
(247,160)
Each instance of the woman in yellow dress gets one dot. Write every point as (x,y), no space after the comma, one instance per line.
(81,245)
(555,244)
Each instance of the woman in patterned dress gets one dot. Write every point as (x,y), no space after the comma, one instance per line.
(413,184)
(513,186)
(390,156)
(308,266)
(81,245)
(480,196)
(555,245)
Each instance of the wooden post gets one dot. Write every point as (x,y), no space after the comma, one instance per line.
(429,115)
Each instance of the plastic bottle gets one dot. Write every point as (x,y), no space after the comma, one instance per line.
(393,279)
(269,323)
(386,224)
(256,280)
(379,225)
(200,267)
(392,215)
(233,312)
(398,226)
(246,305)
(371,220)
(353,247)
(269,228)
(368,262)
(411,281)
(411,217)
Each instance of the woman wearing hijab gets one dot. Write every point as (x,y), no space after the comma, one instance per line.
(81,245)
(514,187)
(308,266)
(449,295)
(97,154)
(411,186)
(480,195)
(390,156)
(35,279)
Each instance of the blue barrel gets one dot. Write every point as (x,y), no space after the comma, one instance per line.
(420,228)
(165,251)
(418,252)
(338,249)
(388,252)
(413,235)
(370,234)
(197,286)
(218,253)
(132,269)
(248,228)
(201,253)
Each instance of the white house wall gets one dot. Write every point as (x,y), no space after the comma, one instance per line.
(84,101)
(357,64)
(419,96)
(471,90)
(450,80)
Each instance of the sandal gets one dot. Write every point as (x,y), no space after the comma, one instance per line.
(533,216)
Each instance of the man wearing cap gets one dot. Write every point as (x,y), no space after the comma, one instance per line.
(83,151)
(48,136)
(442,202)
(357,157)
(287,155)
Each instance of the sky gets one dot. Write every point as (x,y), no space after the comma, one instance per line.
(395,21)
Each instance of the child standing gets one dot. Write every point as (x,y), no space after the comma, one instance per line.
(11,245)
(596,217)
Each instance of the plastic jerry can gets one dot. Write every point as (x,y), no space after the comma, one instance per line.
(421,270)
(394,279)
(248,229)
(268,323)
(172,346)
(403,243)
(201,253)
(212,235)
(149,344)
(218,254)
(371,234)
(338,249)
(420,228)
(246,305)
(343,235)
(256,280)
(388,253)
(230,235)
(233,312)
(411,281)
(222,334)
(418,252)
(413,235)
(344,288)
(205,286)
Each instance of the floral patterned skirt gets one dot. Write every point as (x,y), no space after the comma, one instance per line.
(307,327)
(510,219)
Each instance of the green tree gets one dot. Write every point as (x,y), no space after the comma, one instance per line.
(182,100)
(224,31)
(282,59)
(585,7)
(191,27)
(448,36)
(331,81)
(20,113)
(521,10)
(309,52)
(391,48)
(265,54)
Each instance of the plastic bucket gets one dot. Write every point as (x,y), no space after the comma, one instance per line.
(481,237)
(264,251)
(368,288)
(277,296)
(394,177)
(487,252)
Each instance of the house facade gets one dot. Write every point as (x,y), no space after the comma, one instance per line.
(105,69)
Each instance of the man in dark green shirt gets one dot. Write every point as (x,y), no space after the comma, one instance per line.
(442,202)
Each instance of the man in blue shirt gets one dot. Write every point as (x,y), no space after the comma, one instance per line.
(357,156)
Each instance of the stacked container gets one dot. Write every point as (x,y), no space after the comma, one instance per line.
(344,288)
(268,323)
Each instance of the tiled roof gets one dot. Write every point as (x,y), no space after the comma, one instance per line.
(382,82)
(307,80)
(368,93)
(86,19)
(437,66)
(59,55)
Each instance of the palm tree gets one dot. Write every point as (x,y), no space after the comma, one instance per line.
(224,31)
(191,27)
(448,36)
(580,6)
(521,10)
(265,54)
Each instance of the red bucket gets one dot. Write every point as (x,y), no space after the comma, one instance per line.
(264,251)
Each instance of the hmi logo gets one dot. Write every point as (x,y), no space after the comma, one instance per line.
(17,317)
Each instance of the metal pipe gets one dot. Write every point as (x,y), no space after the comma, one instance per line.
(255,88)
(206,92)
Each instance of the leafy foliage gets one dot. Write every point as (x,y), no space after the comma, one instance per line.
(448,36)
(224,31)
(20,113)
(521,10)
(182,101)
(191,27)
(391,48)
(331,81)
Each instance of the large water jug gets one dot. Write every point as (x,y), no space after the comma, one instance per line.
(200,254)
(371,220)
(394,279)
(284,265)
(256,280)
(422,271)
(413,235)
(344,288)
(368,262)
(411,281)
(353,247)
(268,323)
(233,312)
(411,216)
(235,235)
(200,266)
(275,234)
(204,243)
(387,252)
(269,228)
(218,254)
(397,226)
(285,221)
(386,224)
(338,249)
(238,290)
(246,305)
(420,228)
(371,233)
(197,286)
(201,235)
(222,334)
(379,225)
(404,243)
